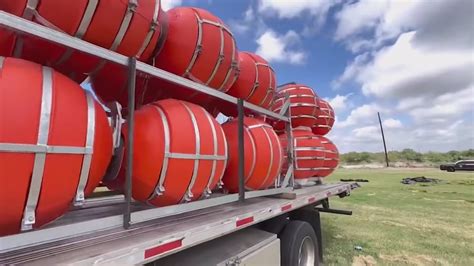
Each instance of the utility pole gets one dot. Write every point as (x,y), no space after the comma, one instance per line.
(383,139)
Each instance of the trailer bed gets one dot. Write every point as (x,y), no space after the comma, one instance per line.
(148,241)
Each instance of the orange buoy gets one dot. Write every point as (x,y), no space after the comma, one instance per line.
(198,47)
(325,119)
(304,105)
(331,160)
(129,27)
(55,144)
(256,83)
(180,153)
(263,155)
(309,152)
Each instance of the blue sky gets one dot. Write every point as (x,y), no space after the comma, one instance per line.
(396,57)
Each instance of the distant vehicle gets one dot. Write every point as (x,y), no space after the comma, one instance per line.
(463,165)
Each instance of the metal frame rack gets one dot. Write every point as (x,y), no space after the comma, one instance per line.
(132,215)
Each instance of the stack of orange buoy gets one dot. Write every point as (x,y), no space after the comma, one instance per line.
(60,139)
(55,144)
(311,118)
(132,28)
(208,56)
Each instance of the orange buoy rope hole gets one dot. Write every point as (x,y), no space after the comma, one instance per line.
(53,161)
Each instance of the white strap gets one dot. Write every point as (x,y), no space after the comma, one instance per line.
(29,216)
(87,159)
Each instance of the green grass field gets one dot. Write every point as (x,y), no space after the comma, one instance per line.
(398,224)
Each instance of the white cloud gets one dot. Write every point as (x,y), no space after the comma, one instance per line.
(451,136)
(367,133)
(362,115)
(352,70)
(339,102)
(416,65)
(169,4)
(386,19)
(405,69)
(280,48)
(292,9)
(357,17)
(248,23)
(392,123)
(445,108)
(312,11)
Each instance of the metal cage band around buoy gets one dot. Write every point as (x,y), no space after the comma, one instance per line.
(309,153)
(132,28)
(304,105)
(331,160)
(67,161)
(256,83)
(325,120)
(209,56)
(214,178)
(180,153)
(263,160)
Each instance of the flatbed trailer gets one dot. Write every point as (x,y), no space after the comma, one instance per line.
(244,228)
(149,241)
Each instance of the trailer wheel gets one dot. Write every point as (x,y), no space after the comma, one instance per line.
(275,225)
(299,246)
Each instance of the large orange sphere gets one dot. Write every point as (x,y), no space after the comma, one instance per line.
(198,47)
(304,105)
(179,155)
(263,155)
(54,140)
(331,160)
(131,28)
(309,152)
(325,120)
(256,83)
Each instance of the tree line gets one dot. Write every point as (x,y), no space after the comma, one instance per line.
(406,155)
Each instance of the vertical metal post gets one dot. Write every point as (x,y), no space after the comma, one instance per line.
(383,139)
(132,74)
(290,141)
(319,234)
(240,125)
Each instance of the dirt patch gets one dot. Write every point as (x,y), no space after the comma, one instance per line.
(363,261)
(394,223)
(413,260)
(466,182)
(450,200)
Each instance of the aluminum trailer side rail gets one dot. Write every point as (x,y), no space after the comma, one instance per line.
(148,241)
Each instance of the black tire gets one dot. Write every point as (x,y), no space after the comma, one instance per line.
(296,238)
(451,169)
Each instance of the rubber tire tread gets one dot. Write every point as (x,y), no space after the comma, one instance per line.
(290,241)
